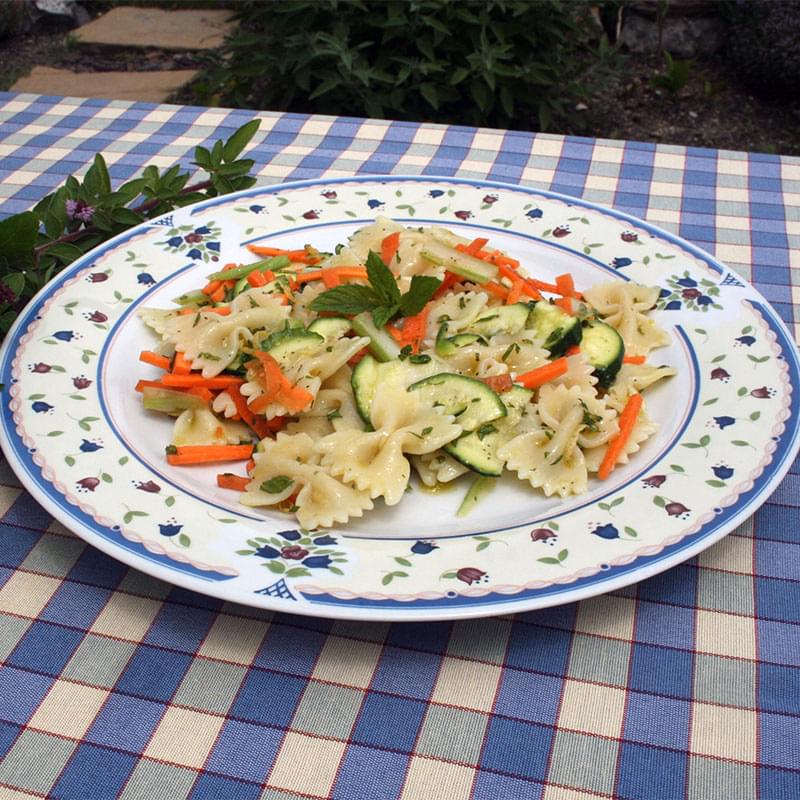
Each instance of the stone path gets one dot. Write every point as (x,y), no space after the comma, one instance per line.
(140,28)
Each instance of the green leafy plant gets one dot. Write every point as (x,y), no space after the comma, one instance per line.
(508,63)
(36,245)
(676,75)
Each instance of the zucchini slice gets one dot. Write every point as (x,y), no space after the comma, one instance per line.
(557,330)
(364,380)
(501,319)
(288,345)
(463,264)
(478,449)
(448,345)
(170,402)
(470,401)
(381,344)
(604,350)
(330,328)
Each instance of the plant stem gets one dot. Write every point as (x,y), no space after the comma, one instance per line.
(142,208)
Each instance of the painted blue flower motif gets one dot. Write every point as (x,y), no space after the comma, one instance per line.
(745,340)
(265,551)
(687,283)
(175,241)
(89,447)
(169,529)
(317,562)
(64,336)
(194,253)
(292,536)
(213,246)
(423,548)
(621,261)
(722,472)
(375,203)
(534,213)
(40,407)
(673,305)
(664,293)
(607,531)
(724,422)
(704,300)
(145,278)
(435,193)
(256,209)
(202,229)
(323,540)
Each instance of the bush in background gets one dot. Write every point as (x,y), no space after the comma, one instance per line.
(504,63)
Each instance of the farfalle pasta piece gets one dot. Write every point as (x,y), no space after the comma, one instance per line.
(642,431)
(289,466)
(635,378)
(459,311)
(437,467)
(200,426)
(623,306)
(157,318)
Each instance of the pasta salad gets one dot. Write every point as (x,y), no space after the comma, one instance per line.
(332,376)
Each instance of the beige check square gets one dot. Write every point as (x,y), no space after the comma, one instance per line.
(27,594)
(234,639)
(726,635)
(562,793)
(8,494)
(724,732)
(607,616)
(126,617)
(467,684)
(428,779)
(347,661)
(68,709)
(733,553)
(589,708)
(306,764)
(184,737)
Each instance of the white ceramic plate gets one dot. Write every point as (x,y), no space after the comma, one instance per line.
(74,431)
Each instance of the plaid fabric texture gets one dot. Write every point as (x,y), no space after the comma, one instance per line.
(114,684)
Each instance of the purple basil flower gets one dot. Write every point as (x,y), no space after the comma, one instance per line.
(423,548)
(145,278)
(169,529)
(40,407)
(317,562)
(265,551)
(78,209)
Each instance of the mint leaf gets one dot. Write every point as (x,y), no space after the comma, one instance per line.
(276,484)
(421,290)
(382,314)
(348,299)
(382,280)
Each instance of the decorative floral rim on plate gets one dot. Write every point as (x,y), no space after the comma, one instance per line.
(74,432)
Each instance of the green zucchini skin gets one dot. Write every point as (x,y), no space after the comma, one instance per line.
(330,327)
(557,330)
(501,319)
(470,401)
(604,350)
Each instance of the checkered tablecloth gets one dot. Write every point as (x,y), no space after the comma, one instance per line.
(113,684)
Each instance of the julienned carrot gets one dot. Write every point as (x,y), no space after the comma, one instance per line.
(340,272)
(211,287)
(188,381)
(414,329)
(541,375)
(218,295)
(566,286)
(181,365)
(529,286)
(303,256)
(201,392)
(498,290)
(634,359)
(242,409)
(565,304)
(278,388)
(475,246)
(209,453)
(221,310)
(396,334)
(154,359)
(627,422)
(142,385)
(227,480)
(389,247)
(266,251)
(257,279)
(573,351)
(330,278)
(450,280)
(515,292)
(498,383)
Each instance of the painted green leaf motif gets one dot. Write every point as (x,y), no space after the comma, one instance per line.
(718,359)
(55,433)
(335,570)
(184,540)
(742,391)
(659,501)
(617,502)
(704,440)
(169,501)
(740,443)
(123,461)
(755,415)
(245,552)
(69,460)
(562,555)
(716,484)
(676,468)
(297,572)
(482,546)
(631,532)
(106,478)
(275,566)
(404,562)
(387,579)
(711,401)
(549,560)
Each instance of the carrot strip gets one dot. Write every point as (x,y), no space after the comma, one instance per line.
(242,409)
(529,287)
(573,351)
(634,359)
(278,388)
(515,292)
(396,334)
(627,422)
(566,286)
(188,381)
(496,289)
(266,251)
(498,383)
(475,246)
(154,359)
(565,304)
(181,365)
(142,385)
(218,295)
(237,483)
(210,288)
(301,256)
(450,280)
(257,279)
(340,272)
(541,375)
(330,278)
(389,247)
(201,392)
(414,329)
(221,310)
(209,453)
